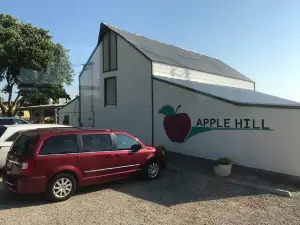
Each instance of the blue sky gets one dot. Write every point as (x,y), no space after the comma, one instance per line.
(259,38)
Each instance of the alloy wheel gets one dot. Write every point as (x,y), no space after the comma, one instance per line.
(153,170)
(62,187)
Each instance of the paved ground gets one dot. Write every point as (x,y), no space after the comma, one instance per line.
(175,198)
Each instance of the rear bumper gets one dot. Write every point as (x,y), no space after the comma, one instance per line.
(24,185)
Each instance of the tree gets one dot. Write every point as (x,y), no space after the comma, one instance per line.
(29,57)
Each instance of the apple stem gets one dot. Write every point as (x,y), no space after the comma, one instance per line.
(177,108)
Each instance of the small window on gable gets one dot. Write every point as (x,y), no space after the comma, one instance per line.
(110,91)
(66,120)
(109,51)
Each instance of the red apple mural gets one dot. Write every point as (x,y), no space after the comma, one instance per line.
(177,125)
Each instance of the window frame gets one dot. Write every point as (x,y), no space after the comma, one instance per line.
(59,154)
(105,89)
(66,116)
(81,149)
(115,142)
(109,52)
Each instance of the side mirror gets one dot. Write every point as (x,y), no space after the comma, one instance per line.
(135,147)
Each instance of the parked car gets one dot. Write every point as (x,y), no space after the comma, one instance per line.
(9,133)
(12,120)
(58,161)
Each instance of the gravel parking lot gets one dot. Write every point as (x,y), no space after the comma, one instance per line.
(175,198)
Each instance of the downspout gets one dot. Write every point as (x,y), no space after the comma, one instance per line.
(93,112)
(79,101)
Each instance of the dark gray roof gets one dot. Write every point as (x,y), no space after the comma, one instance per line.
(171,55)
(232,95)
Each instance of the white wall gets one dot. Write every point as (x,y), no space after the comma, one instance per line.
(276,150)
(164,70)
(90,90)
(133,112)
(71,109)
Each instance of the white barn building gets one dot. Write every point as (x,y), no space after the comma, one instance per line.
(69,114)
(191,103)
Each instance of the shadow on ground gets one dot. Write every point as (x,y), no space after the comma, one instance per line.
(188,182)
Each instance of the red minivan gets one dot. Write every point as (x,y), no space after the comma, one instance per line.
(60,160)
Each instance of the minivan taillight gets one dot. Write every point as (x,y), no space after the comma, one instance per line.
(27,166)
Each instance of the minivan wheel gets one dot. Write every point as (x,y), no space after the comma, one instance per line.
(152,170)
(61,187)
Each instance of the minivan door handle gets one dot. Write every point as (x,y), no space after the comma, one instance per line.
(118,155)
(109,156)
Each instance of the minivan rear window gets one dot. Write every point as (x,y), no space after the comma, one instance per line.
(22,144)
(2,130)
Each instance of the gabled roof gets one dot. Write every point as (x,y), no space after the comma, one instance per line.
(236,96)
(73,100)
(168,54)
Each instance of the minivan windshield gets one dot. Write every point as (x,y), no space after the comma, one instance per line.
(22,144)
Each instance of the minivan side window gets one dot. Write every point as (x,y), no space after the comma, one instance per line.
(62,144)
(96,142)
(123,142)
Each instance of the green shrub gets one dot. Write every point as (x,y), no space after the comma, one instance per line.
(161,148)
(223,161)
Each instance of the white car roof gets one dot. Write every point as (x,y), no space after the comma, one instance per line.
(11,129)
(30,125)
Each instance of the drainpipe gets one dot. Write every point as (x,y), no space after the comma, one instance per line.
(93,112)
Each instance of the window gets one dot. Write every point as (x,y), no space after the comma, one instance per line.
(66,120)
(109,51)
(20,121)
(124,142)
(110,91)
(23,144)
(63,144)
(13,137)
(6,122)
(2,130)
(96,142)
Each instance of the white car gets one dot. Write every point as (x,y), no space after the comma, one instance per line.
(9,133)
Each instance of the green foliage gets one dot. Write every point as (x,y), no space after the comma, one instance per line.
(161,148)
(39,94)
(223,161)
(20,113)
(29,56)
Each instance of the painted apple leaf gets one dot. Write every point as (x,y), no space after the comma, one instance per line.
(167,110)
(197,130)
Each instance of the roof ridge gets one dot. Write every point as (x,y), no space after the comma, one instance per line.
(174,46)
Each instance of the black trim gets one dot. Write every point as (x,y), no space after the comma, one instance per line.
(152,105)
(226,100)
(109,33)
(79,101)
(109,78)
(101,35)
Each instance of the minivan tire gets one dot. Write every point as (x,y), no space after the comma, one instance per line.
(61,187)
(152,169)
